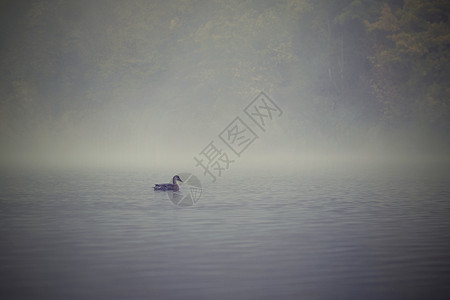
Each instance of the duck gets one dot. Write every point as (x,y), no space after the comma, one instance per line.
(169,186)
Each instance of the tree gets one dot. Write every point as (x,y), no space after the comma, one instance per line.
(412,62)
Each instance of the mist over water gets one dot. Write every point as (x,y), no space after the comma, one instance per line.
(153,83)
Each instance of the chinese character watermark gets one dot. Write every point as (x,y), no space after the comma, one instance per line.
(237,136)
(262,110)
(215,158)
(213,161)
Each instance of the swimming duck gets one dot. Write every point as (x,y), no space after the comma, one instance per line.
(169,186)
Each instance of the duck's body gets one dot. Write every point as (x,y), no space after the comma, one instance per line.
(169,186)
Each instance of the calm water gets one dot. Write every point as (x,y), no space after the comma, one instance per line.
(328,233)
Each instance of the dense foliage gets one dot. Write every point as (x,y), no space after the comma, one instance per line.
(383,64)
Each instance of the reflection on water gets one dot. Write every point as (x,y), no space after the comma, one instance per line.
(375,233)
(190,191)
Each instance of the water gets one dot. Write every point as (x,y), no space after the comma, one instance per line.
(375,232)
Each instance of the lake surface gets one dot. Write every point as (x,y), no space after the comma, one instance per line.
(374,232)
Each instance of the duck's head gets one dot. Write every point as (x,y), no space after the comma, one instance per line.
(176,178)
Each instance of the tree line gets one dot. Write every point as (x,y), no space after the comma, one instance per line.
(385,61)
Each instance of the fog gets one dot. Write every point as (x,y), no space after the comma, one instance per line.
(151,84)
